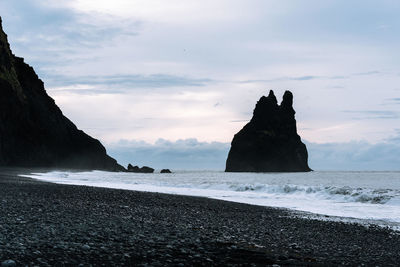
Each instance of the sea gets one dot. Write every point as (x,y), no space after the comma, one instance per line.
(372,197)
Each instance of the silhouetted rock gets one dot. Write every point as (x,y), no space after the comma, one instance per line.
(33,130)
(136,169)
(165,171)
(133,168)
(146,169)
(269,142)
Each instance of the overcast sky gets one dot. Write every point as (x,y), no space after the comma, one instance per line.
(131,72)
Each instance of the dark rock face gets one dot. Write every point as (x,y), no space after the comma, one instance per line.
(33,130)
(133,169)
(136,169)
(165,171)
(269,142)
(146,169)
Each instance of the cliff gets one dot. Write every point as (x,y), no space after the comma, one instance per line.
(33,130)
(269,142)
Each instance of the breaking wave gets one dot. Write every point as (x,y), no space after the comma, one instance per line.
(346,193)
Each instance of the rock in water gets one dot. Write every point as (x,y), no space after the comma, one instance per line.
(136,169)
(146,169)
(133,168)
(33,130)
(269,142)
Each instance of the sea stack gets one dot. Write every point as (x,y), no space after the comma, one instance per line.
(269,142)
(33,130)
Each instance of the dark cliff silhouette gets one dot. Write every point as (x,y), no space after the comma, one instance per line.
(269,142)
(33,130)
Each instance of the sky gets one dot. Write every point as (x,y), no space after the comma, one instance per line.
(168,83)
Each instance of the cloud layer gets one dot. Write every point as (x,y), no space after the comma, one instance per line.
(191,154)
(355,156)
(188,154)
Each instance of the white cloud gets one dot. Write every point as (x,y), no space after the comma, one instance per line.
(188,154)
(149,115)
(173,11)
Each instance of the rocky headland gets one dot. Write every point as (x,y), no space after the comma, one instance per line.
(33,130)
(269,142)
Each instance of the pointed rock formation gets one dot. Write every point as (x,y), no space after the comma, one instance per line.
(33,130)
(269,142)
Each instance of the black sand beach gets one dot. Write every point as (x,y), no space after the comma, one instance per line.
(46,224)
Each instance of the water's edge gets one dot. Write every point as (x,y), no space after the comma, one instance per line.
(209,185)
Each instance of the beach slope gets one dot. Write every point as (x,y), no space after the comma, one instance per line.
(48,224)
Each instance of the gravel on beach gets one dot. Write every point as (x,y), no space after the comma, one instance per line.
(46,224)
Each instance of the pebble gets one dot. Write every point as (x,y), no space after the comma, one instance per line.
(8,263)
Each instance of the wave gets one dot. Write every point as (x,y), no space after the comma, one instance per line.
(261,190)
(345,193)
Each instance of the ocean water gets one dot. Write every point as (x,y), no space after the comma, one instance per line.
(361,195)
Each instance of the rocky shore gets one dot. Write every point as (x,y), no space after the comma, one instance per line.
(46,224)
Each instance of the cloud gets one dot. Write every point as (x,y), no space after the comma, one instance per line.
(53,34)
(312,77)
(188,154)
(373,114)
(394,139)
(301,78)
(119,83)
(355,156)
(339,77)
(367,73)
(239,120)
(65,27)
(395,100)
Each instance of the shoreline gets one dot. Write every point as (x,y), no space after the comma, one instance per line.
(53,224)
(393,225)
